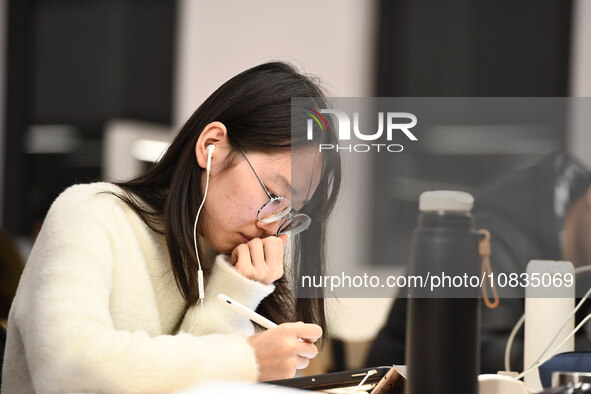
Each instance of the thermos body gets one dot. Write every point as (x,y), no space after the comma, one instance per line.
(442,348)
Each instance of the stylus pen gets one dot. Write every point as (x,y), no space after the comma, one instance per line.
(252,315)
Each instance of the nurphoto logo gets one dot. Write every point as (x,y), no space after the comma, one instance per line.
(393,125)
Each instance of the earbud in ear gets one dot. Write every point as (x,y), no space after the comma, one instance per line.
(210,150)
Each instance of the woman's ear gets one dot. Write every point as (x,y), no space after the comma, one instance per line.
(215,133)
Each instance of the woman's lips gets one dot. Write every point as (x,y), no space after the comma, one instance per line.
(245,239)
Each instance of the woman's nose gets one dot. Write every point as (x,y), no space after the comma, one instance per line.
(269,228)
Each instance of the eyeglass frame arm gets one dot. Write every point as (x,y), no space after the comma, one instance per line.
(271,196)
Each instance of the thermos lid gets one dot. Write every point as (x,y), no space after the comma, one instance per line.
(445,201)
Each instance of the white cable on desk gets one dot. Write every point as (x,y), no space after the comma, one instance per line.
(367,375)
(510,342)
(553,352)
(520,322)
(582,269)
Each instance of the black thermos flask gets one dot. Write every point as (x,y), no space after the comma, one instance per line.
(443,317)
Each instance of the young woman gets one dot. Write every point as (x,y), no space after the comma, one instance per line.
(110,299)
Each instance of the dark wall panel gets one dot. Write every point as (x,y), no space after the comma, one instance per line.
(79,63)
(462,48)
(473,48)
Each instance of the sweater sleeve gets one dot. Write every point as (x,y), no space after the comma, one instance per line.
(214,316)
(62,318)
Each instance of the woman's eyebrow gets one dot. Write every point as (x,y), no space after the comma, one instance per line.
(283,184)
(286,187)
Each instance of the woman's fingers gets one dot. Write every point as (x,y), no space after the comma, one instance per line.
(241,260)
(260,259)
(273,250)
(303,362)
(307,350)
(280,350)
(307,331)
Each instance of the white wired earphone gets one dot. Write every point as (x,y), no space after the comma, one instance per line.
(200,284)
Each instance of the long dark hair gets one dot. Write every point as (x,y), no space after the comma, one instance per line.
(255,107)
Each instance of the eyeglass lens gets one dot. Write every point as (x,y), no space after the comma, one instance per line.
(276,208)
(294,224)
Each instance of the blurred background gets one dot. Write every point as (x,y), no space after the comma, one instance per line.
(90,89)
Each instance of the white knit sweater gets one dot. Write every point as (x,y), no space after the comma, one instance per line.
(98,310)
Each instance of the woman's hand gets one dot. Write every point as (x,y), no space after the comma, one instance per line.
(280,351)
(260,259)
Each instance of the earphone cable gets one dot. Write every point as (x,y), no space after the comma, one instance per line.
(200,271)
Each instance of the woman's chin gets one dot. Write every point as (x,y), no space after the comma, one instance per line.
(228,248)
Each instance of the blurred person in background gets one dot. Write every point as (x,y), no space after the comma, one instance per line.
(110,300)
